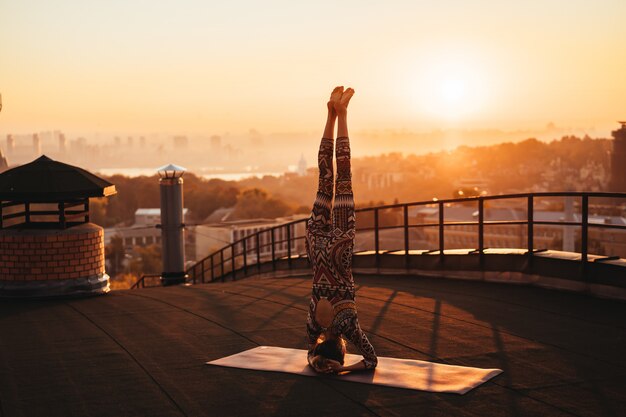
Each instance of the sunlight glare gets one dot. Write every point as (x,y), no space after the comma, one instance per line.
(451,86)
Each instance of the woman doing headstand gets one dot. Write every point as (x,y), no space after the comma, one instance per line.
(332,316)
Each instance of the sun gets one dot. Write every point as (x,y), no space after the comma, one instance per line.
(453,92)
(451,86)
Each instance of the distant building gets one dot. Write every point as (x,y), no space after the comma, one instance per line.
(21,148)
(62,143)
(180,142)
(220,215)
(379,180)
(302,166)
(618,160)
(36,145)
(10,144)
(470,187)
(211,237)
(216,143)
(143,232)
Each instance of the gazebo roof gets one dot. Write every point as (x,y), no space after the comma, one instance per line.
(46,180)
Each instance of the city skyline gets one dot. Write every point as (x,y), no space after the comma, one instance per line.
(195,68)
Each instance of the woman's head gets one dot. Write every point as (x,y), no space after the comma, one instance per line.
(331,348)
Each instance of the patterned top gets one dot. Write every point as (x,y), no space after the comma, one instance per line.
(329,247)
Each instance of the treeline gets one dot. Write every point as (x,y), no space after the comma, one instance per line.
(566,164)
(506,167)
(202,197)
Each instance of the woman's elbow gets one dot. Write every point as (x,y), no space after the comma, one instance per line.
(371,363)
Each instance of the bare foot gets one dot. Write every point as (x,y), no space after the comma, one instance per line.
(335,96)
(341,105)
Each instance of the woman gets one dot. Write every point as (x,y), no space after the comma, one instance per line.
(332,314)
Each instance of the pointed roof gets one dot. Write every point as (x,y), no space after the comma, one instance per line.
(46,180)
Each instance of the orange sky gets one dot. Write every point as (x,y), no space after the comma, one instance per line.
(200,68)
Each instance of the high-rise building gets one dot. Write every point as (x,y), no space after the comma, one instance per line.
(10,144)
(216,143)
(302,165)
(36,144)
(618,160)
(62,143)
(180,142)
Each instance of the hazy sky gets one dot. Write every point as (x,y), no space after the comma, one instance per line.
(202,67)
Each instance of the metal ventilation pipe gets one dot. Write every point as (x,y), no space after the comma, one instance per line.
(172,225)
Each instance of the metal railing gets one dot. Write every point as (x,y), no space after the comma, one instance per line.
(141,282)
(239,258)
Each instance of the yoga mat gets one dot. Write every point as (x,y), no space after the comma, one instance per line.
(392,372)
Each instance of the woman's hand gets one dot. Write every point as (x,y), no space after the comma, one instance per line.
(334,366)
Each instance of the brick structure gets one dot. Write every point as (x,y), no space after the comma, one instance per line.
(48,247)
(37,255)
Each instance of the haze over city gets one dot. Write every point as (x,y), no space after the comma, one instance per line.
(118,68)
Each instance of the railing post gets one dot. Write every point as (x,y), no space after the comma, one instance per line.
(273,249)
(27,212)
(212,269)
(584,235)
(481,232)
(222,262)
(531,233)
(406,235)
(232,260)
(245,258)
(441,236)
(288,245)
(376,237)
(258,251)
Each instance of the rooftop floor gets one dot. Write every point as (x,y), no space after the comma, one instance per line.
(143,352)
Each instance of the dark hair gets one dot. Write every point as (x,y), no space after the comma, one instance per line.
(334,349)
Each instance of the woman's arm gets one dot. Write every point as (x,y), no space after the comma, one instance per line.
(337,367)
(313,331)
(351,329)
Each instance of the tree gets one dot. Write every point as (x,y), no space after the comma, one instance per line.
(115,252)
(146,261)
(255,203)
(205,199)
(98,210)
